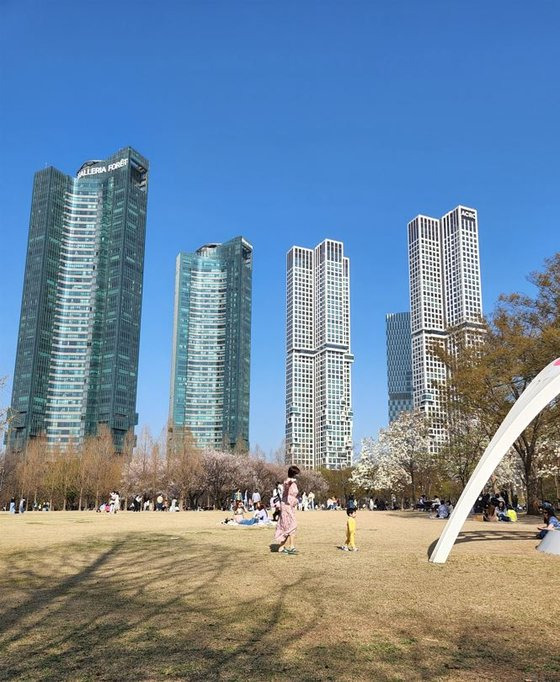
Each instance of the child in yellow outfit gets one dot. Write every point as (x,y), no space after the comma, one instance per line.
(350,545)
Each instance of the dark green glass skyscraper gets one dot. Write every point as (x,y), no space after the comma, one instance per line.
(77,353)
(212,344)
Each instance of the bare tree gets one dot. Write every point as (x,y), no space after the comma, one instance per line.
(82,474)
(32,468)
(7,460)
(278,456)
(103,464)
(241,446)
(3,410)
(156,469)
(257,453)
(185,469)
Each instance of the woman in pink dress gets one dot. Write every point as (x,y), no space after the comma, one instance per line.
(287,525)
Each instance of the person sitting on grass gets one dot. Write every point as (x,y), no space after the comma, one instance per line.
(512,514)
(260,517)
(550,523)
(239,510)
(502,512)
(442,511)
(490,514)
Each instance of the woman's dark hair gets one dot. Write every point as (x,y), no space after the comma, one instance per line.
(293,471)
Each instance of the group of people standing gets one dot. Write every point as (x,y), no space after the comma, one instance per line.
(161,504)
(305,500)
(15,508)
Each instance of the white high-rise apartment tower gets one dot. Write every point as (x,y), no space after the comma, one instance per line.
(445,292)
(318,357)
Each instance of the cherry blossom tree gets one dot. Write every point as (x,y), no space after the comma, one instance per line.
(223,475)
(376,469)
(399,459)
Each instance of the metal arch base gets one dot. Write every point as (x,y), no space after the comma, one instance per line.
(544,388)
(550,544)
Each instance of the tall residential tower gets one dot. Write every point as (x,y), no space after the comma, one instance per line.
(445,292)
(399,364)
(212,344)
(318,362)
(77,353)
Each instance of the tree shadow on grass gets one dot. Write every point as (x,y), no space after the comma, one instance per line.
(140,607)
(159,607)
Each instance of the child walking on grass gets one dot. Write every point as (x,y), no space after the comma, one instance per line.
(350,545)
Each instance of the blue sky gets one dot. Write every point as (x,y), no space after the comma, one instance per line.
(288,122)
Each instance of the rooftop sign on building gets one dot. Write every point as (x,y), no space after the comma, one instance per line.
(96,170)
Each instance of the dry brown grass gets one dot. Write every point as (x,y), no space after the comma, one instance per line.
(149,596)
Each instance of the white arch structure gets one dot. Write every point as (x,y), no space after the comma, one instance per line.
(544,388)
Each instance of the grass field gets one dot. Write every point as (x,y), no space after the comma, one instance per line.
(150,596)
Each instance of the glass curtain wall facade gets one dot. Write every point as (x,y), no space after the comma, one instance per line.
(77,354)
(399,363)
(210,378)
(319,415)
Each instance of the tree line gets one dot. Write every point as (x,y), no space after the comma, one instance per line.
(72,477)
